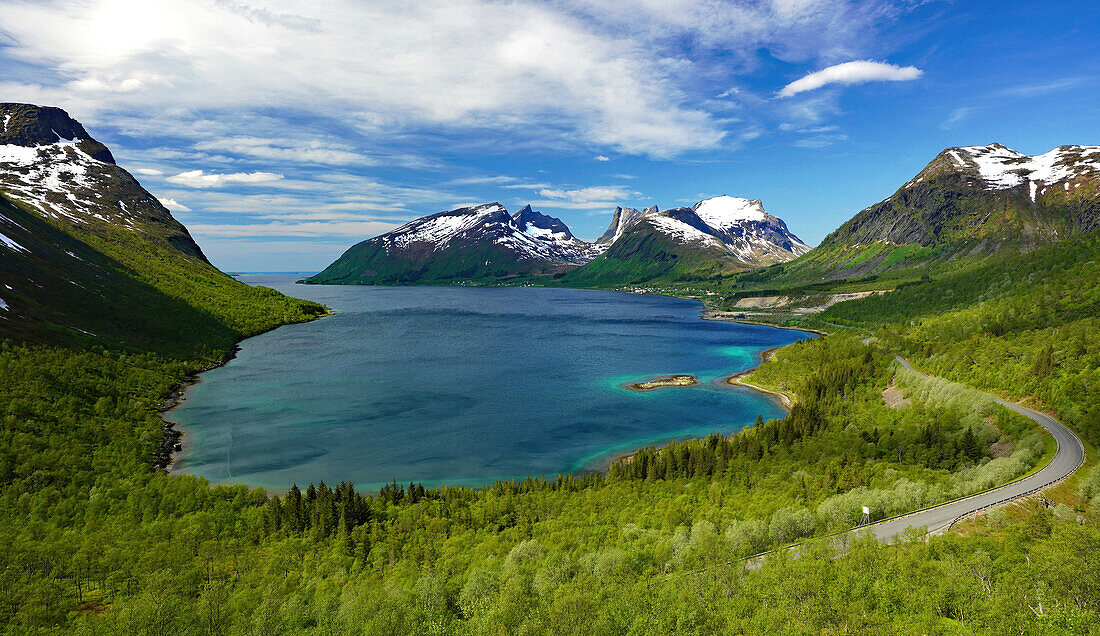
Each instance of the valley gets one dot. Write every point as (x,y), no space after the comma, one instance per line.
(109,303)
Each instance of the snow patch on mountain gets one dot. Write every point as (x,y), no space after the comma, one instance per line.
(724,211)
(438,229)
(58,179)
(11,244)
(530,235)
(1001,168)
(681,231)
(737,225)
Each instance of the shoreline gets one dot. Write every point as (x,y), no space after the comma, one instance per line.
(172,443)
(165,456)
(780,398)
(710,313)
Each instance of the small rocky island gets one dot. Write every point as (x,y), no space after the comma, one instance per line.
(668,380)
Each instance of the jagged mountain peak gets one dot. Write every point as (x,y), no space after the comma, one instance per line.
(737,226)
(541,225)
(468,243)
(621,219)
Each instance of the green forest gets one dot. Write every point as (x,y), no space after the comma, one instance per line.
(94,540)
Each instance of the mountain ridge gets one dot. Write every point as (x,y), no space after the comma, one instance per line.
(966,204)
(484,243)
(481,242)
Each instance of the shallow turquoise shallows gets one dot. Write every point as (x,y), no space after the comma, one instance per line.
(464,385)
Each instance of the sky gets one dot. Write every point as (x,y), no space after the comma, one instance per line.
(283,132)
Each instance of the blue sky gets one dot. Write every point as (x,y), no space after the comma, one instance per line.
(281,133)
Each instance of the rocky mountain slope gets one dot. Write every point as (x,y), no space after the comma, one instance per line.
(88,256)
(482,242)
(715,237)
(621,219)
(52,165)
(968,203)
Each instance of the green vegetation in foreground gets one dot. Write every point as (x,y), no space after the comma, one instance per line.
(93,541)
(1026,325)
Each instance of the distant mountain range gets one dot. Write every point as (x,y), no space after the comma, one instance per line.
(713,238)
(484,242)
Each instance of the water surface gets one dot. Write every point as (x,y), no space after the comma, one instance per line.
(464,385)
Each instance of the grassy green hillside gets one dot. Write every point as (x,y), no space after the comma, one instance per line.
(99,285)
(1027,325)
(93,540)
(96,542)
(942,221)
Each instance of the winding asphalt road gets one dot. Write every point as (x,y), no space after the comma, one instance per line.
(1068,457)
(938,519)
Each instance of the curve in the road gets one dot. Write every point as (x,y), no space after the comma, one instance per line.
(1067,458)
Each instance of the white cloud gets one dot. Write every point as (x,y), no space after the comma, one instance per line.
(149,171)
(820,141)
(482,180)
(200,179)
(173,205)
(308,151)
(1043,88)
(602,158)
(957,116)
(856,72)
(307,229)
(464,64)
(549,206)
(589,195)
(527,186)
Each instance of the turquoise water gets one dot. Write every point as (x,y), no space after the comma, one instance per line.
(464,385)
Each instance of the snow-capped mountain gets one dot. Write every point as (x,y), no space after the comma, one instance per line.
(532,236)
(968,203)
(49,162)
(715,237)
(989,195)
(88,256)
(554,236)
(468,243)
(996,167)
(740,227)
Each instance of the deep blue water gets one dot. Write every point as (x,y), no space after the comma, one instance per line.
(464,385)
